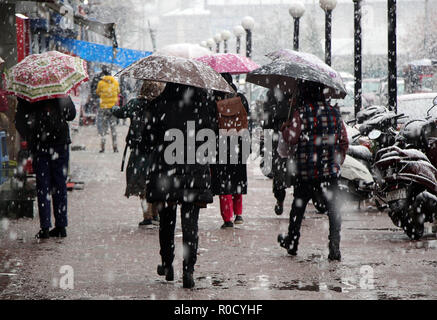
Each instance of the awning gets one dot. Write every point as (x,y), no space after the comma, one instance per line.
(100,53)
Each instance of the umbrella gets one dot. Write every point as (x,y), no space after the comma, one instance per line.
(229,62)
(176,70)
(45,76)
(1,61)
(184,50)
(289,66)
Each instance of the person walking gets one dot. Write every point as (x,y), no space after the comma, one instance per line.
(181,182)
(138,110)
(93,98)
(44,126)
(108,90)
(229,181)
(276,111)
(321,138)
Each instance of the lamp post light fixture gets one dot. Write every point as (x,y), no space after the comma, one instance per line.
(217,39)
(226,35)
(296,10)
(210,43)
(328,6)
(357,57)
(238,32)
(248,23)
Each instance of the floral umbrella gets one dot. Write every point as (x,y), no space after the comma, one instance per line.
(229,63)
(45,76)
(176,70)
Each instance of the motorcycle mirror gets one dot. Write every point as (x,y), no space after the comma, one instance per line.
(434,102)
(374,134)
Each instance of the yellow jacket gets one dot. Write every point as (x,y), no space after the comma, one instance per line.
(108,91)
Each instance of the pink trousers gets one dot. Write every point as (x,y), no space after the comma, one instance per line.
(230,205)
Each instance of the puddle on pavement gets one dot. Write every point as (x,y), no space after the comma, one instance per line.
(312,287)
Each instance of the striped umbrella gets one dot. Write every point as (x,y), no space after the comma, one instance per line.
(45,76)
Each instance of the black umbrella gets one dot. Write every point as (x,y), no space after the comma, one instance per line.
(290,67)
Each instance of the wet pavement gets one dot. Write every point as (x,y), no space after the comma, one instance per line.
(107,256)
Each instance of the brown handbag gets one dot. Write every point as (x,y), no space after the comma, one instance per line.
(232,114)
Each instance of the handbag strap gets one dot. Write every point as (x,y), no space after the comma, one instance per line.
(124,157)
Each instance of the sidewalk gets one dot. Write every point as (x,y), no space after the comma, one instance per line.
(113,258)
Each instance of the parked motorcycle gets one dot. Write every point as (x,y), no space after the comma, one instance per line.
(406,176)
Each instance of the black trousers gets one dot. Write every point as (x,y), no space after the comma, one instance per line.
(190,239)
(303,193)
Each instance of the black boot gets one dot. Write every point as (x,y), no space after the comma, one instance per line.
(285,242)
(279,208)
(188,280)
(166,271)
(334,250)
(58,232)
(43,234)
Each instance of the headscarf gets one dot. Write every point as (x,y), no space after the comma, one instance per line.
(150,90)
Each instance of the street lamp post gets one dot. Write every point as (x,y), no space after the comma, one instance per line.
(217,39)
(357,57)
(328,6)
(392,64)
(248,23)
(226,35)
(238,32)
(296,10)
(210,43)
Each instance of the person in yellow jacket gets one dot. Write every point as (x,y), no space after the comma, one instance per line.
(108,90)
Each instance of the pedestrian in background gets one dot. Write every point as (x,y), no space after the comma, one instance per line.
(229,181)
(275,114)
(44,126)
(321,138)
(108,90)
(139,111)
(173,184)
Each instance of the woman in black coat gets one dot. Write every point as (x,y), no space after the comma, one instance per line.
(229,181)
(182,182)
(140,114)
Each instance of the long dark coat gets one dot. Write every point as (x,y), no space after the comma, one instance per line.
(231,178)
(136,170)
(181,183)
(275,114)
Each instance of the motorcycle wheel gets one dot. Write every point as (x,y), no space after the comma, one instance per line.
(412,224)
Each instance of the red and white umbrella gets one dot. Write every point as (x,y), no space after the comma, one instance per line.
(229,63)
(45,76)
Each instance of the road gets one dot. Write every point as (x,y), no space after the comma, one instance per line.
(107,256)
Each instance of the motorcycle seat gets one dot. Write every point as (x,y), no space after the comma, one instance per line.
(360,153)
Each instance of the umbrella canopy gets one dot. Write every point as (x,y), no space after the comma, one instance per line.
(45,76)
(176,70)
(184,50)
(289,66)
(229,63)
(1,61)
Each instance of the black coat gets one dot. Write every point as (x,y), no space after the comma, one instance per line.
(182,182)
(44,123)
(139,111)
(231,178)
(275,114)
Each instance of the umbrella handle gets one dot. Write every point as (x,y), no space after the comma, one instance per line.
(293,101)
